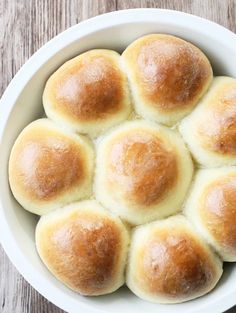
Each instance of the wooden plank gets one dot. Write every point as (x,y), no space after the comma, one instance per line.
(26,26)
(222,12)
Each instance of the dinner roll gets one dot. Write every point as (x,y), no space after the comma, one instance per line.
(167,76)
(210,130)
(85,247)
(49,167)
(169,262)
(88,93)
(212,209)
(143,171)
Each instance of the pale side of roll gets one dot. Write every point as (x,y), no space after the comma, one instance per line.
(210,130)
(88,93)
(50,167)
(143,171)
(85,247)
(170,263)
(211,207)
(167,76)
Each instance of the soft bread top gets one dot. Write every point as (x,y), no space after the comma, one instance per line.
(169,262)
(85,247)
(212,209)
(143,171)
(88,93)
(210,130)
(49,167)
(167,76)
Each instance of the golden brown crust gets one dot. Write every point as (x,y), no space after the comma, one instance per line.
(141,164)
(174,264)
(217,209)
(88,87)
(83,251)
(46,163)
(170,73)
(217,127)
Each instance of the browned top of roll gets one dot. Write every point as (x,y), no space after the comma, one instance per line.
(217,208)
(174,264)
(170,72)
(217,127)
(88,87)
(82,250)
(140,163)
(46,163)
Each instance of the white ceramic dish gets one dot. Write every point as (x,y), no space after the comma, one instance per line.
(21,103)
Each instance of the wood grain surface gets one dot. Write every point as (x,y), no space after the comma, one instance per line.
(24,27)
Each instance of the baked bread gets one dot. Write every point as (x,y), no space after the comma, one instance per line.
(169,262)
(140,171)
(210,130)
(50,167)
(167,76)
(85,247)
(143,171)
(211,207)
(88,93)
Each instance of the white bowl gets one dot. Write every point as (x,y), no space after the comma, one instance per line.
(21,104)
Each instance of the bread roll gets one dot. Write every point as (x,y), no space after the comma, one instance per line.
(88,93)
(212,209)
(85,247)
(210,130)
(167,76)
(169,262)
(49,167)
(143,171)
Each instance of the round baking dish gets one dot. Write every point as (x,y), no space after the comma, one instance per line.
(22,103)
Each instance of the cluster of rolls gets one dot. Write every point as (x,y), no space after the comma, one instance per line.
(133,171)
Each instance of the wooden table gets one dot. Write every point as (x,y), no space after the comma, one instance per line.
(25,26)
